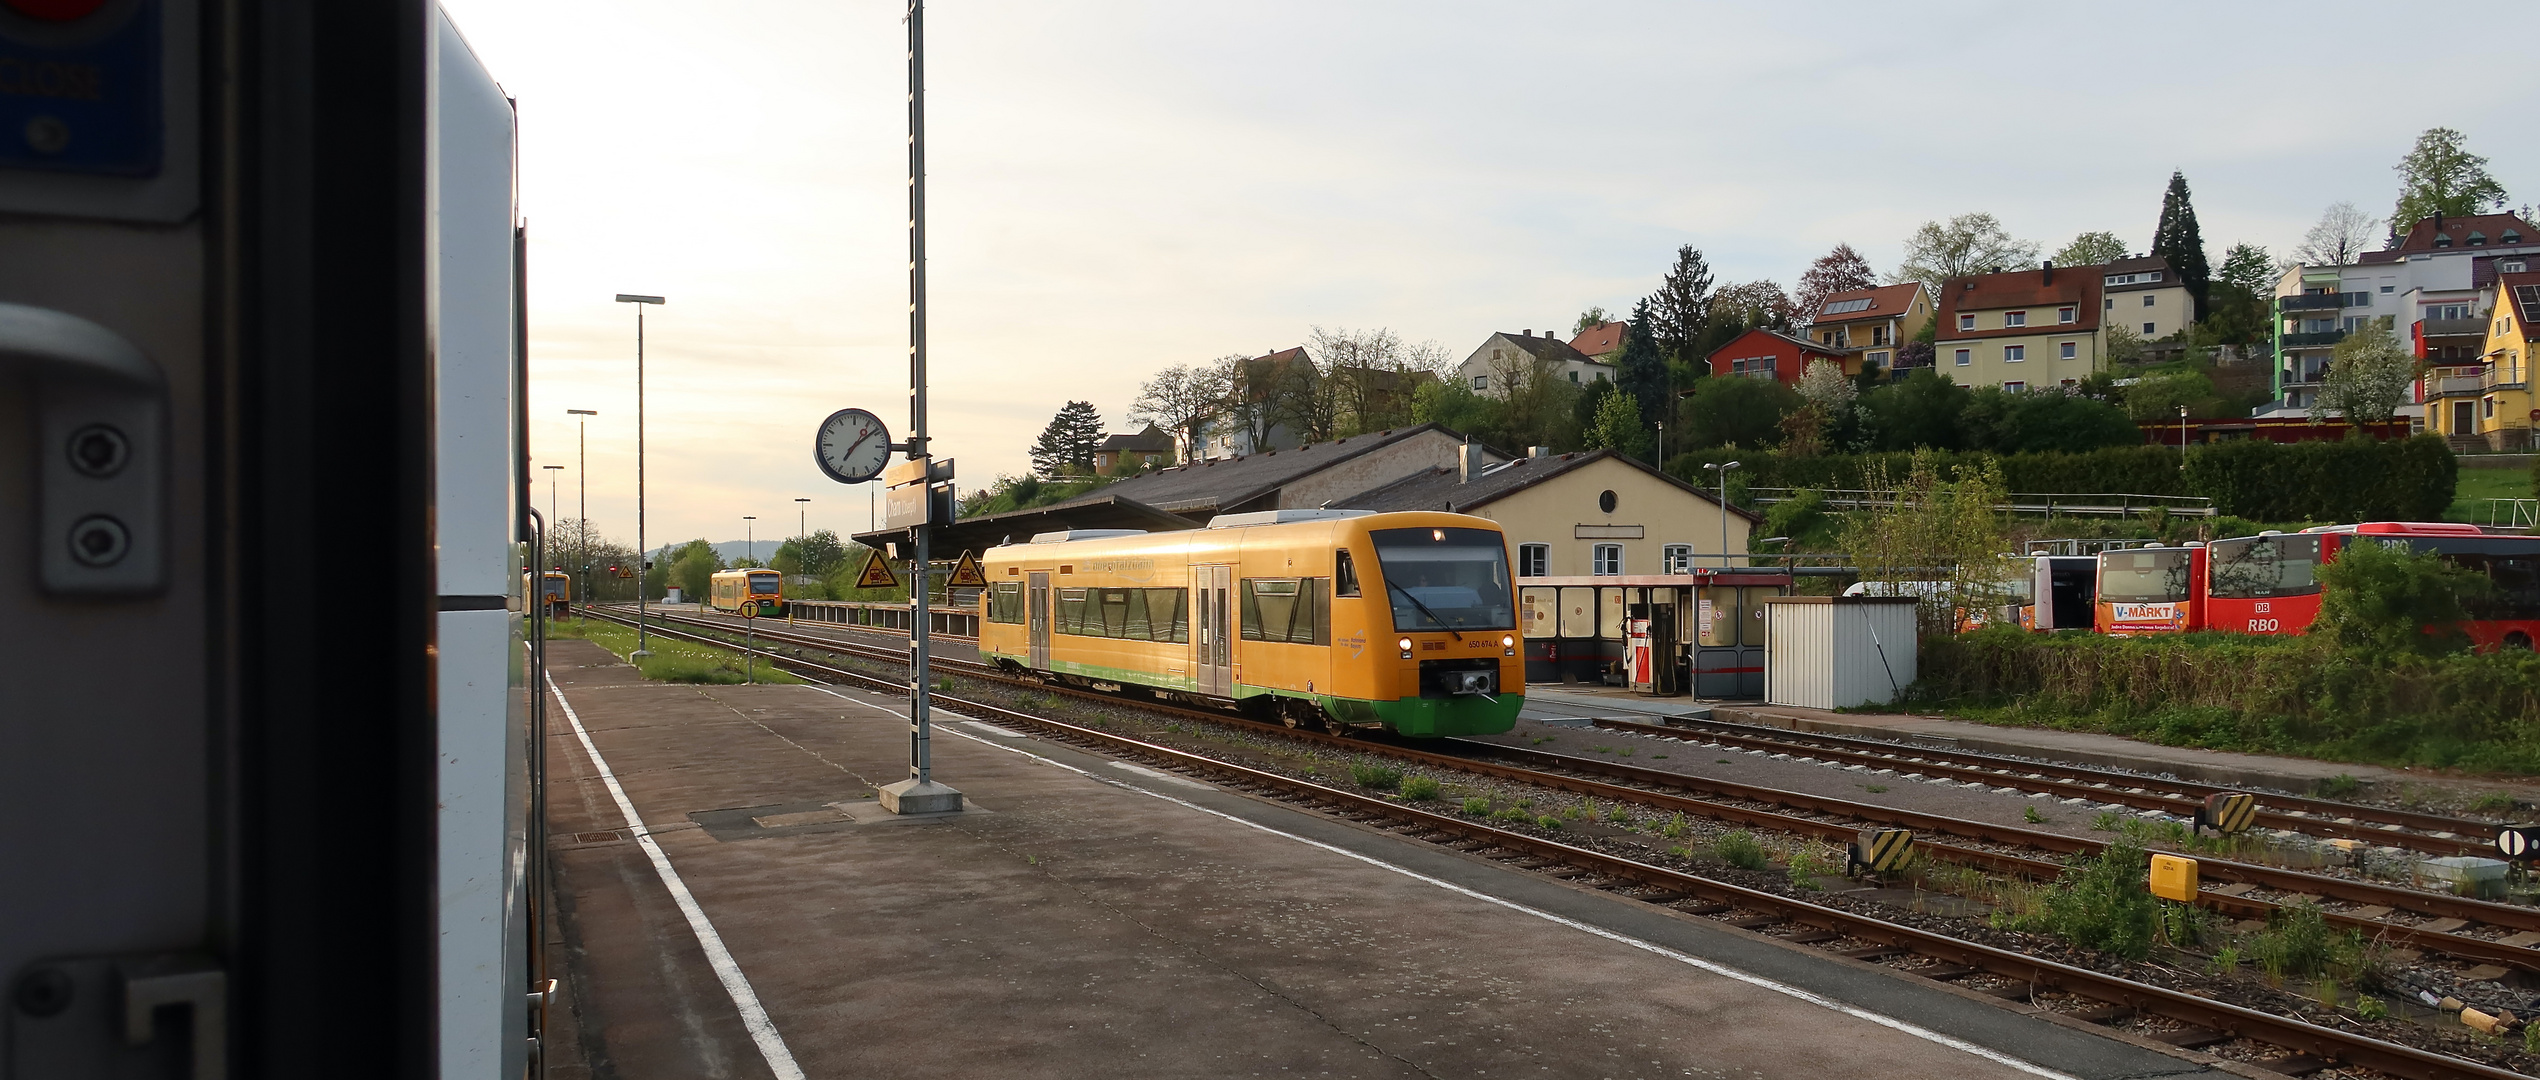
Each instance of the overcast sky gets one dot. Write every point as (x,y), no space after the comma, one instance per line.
(1117,188)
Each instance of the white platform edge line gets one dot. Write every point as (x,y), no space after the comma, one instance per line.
(771,1045)
(1905,1026)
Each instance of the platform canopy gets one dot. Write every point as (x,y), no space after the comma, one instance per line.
(1018,526)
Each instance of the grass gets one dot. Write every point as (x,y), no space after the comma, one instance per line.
(2030,815)
(2494,802)
(2299,944)
(1477,806)
(679,661)
(2476,486)
(1420,789)
(1376,777)
(1740,849)
(1875,789)
(2099,903)
(2340,786)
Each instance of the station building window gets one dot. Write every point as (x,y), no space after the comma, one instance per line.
(1678,559)
(1608,561)
(1534,560)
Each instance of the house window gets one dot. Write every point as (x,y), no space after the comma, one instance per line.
(2349,324)
(1966,322)
(1679,558)
(1878,335)
(2014,387)
(2514,267)
(2015,318)
(1574,376)
(2488,409)
(1534,560)
(2147,299)
(2111,304)
(1609,561)
(2067,350)
(1961,357)
(1481,382)
(2147,329)
(2067,314)
(1878,358)
(2389,288)
(2012,354)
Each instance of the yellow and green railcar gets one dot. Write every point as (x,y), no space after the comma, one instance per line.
(1342,618)
(747,592)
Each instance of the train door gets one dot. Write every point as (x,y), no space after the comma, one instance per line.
(1212,636)
(1037,616)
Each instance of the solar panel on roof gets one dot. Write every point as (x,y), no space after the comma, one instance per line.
(1841,306)
(2529,295)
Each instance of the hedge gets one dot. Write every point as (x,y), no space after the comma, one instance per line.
(2297,695)
(2352,480)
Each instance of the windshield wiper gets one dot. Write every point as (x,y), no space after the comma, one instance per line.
(1424,609)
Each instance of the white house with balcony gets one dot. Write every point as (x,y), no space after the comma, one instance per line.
(2426,289)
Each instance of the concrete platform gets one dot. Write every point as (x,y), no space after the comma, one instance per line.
(1084,918)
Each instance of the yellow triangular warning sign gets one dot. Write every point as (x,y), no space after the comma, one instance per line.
(967,575)
(877,574)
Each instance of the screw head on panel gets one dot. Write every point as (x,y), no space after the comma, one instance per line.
(99,541)
(98,451)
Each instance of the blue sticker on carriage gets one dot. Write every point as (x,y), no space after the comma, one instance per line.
(79,86)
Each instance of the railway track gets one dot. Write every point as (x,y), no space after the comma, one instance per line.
(2307,1047)
(1836,819)
(2430,833)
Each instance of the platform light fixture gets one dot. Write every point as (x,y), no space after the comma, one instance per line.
(642,561)
(582,510)
(1723,468)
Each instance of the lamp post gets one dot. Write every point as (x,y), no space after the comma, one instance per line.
(552,470)
(582,508)
(802,535)
(2182,438)
(643,558)
(749,538)
(1662,448)
(1723,469)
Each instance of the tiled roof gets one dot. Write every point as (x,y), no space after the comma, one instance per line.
(1886,302)
(2523,292)
(1152,440)
(1548,348)
(1225,482)
(1602,338)
(2077,286)
(1740,344)
(2482,270)
(1437,489)
(2490,227)
(2137,265)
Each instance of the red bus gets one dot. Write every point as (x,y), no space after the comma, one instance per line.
(2268,583)
(2150,590)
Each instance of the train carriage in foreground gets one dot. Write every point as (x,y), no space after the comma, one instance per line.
(753,592)
(1342,618)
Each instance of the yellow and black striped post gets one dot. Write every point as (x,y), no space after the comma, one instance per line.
(1880,851)
(2227,813)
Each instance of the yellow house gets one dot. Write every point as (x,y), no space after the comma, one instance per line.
(2498,406)
(1875,321)
(1589,514)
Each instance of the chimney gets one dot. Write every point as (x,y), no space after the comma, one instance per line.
(2050,272)
(1530,331)
(1464,462)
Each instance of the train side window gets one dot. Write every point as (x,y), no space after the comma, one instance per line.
(1005,602)
(1292,610)
(1344,574)
(1071,612)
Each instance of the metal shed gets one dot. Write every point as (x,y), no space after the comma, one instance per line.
(1833,652)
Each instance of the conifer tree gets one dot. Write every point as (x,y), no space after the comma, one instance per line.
(1067,445)
(1641,372)
(2178,240)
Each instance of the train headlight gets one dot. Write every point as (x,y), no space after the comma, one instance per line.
(1508,645)
(1406,648)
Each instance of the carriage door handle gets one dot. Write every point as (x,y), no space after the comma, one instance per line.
(101,449)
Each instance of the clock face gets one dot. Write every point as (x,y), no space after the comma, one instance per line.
(853,446)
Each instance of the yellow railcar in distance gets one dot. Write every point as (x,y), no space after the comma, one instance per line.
(555,589)
(1342,618)
(751,591)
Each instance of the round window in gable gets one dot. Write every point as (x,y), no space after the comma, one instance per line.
(1605,502)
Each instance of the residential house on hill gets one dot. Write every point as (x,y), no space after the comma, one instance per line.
(2489,406)
(1254,420)
(2432,290)
(1603,342)
(1873,321)
(2023,329)
(1146,449)
(1505,355)
(1764,353)
(2143,295)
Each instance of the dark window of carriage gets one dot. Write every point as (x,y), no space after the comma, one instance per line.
(1005,602)
(1344,574)
(1130,614)
(1292,610)
(1605,502)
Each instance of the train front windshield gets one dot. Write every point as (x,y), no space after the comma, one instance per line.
(762,584)
(2264,567)
(1446,579)
(2143,577)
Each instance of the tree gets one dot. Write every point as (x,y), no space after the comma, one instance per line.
(1067,445)
(1736,412)
(1754,304)
(2368,377)
(2179,241)
(1825,387)
(1840,270)
(816,554)
(2392,600)
(2343,234)
(2050,419)
(2243,291)
(1369,376)
(692,568)
(2248,268)
(2124,345)
(2440,176)
(1641,372)
(1680,311)
(1182,399)
(1826,397)
(1936,530)
(1923,410)
(2157,397)
(1968,244)
(1591,319)
(2091,249)
(1618,427)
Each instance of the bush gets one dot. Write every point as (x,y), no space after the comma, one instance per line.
(1420,789)
(1740,849)
(2101,903)
(2384,598)
(1737,412)
(2346,480)
(2298,943)
(1376,777)
(1477,806)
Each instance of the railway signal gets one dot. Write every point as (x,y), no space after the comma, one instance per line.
(2520,843)
(2174,878)
(2227,812)
(1880,851)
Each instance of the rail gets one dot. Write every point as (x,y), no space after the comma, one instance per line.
(1665,886)
(2046,504)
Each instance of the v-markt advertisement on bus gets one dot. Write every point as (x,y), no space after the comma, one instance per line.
(2147,618)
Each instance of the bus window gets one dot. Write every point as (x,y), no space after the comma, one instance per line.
(2262,567)
(2143,576)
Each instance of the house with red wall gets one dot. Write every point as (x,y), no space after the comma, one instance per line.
(1771,354)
